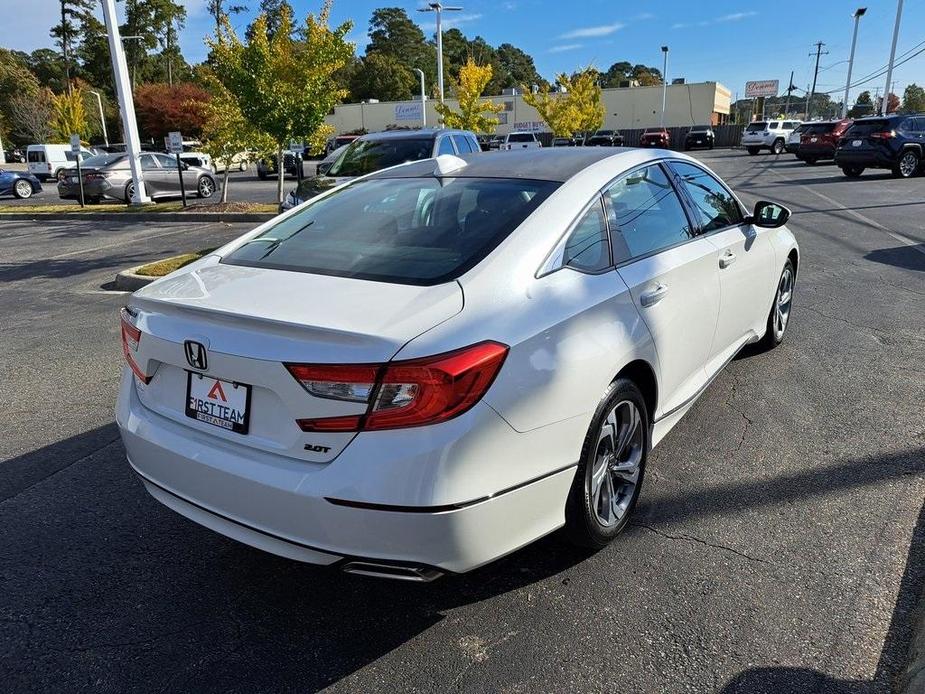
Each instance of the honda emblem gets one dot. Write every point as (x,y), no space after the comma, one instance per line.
(196,355)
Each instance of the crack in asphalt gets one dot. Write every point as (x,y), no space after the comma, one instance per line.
(699,541)
(860,326)
(748,420)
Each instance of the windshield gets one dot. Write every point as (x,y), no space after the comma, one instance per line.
(365,156)
(407,230)
(756,127)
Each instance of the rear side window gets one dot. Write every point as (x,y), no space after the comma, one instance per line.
(588,246)
(772,126)
(36,156)
(714,203)
(819,129)
(462,144)
(420,231)
(756,127)
(914,125)
(788,125)
(445,147)
(646,212)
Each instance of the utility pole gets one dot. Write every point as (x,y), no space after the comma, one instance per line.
(64,41)
(858,13)
(812,91)
(889,70)
(438,9)
(790,89)
(664,85)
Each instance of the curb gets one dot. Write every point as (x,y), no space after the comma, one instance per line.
(912,680)
(129,281)
(227,217)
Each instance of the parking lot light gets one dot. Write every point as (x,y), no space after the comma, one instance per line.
(438,9)
(664,84)
(858,13)
(885,104)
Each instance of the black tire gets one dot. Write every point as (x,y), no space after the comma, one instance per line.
(583,525)
(852,171)
(775,333)
(205,187)
(22,189)
(262,175)
(753,150)
(95,200)
(778,146)
(908,164)
(711,145)
(810,160)
(129,191)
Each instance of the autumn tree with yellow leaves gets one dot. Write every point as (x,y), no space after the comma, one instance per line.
(473,110)
(575,108)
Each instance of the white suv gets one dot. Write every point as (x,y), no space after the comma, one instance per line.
(520,140)
(772,135)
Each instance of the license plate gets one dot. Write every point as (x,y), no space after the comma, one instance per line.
(857,143)
(814,139)
(224,404)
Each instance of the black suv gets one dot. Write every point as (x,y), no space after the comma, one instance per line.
(605,138)
(699,136)
(895,142)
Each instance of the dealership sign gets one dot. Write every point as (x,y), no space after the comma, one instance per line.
(410,111)
(761,88)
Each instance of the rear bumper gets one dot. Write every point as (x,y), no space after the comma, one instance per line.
(867,158)
(816,151)
(283,506)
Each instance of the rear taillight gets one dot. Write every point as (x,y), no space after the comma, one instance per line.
(403,393)
(131,338)
(95,176)
(885,135)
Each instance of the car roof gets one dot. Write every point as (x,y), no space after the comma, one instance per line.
(544,164)
(417,134)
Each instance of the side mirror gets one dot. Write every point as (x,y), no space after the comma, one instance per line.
(769,215)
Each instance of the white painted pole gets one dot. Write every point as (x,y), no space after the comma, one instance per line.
(99,102)
(126,105)
(854,40)
(664,85)
(439,53)
(889,70)
(423,98)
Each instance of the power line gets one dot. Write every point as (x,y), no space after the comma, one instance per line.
(882,71)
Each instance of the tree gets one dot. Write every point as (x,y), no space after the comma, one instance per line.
(93,54)
(381,76)
(162,108)
(517,67)
(576,108)
(30,117)
(284,87)
(65,33)
(221,12)
(472,108)
(69,115)
(167,19)
(617,73)
(892,103)
(584,96)
(273,10)
(553,108)
(863,106)
(913,99)
(646,76)
(48,69)
(391,32)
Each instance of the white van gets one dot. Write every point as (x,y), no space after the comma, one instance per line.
(45,161)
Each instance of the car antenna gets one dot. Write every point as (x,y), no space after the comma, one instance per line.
(447,164)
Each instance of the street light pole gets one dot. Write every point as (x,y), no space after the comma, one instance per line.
(664,84)
(437,8)
(884,105)
(423,98)
(126,105)
(99,102)
(858,13)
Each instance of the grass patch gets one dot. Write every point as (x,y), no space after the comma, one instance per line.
(168,265)
(260,207)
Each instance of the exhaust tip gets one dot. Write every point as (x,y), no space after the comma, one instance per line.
(419,574)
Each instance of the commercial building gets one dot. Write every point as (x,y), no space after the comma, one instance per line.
(624,108)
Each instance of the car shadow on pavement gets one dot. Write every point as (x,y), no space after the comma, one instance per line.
(69,267)
(906,257)
(103,584)
(891,670)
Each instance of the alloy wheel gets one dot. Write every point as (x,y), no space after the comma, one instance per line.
(783,302)
(23,189)
(205,187)
(616,468)
(907,164)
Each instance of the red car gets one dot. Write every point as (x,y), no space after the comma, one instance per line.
(655,137)
(819,140)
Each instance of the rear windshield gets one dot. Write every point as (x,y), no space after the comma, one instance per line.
(818,128)
(756,127)
(420,231)
(520,137)
(869,126)
(365,156)
(101,160)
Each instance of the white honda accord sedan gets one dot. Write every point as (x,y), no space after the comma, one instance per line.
(429,367)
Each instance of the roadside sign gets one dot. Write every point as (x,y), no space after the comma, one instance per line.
(174,143)
(761,88)
(75,143)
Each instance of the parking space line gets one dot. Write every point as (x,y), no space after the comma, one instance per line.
(123,243)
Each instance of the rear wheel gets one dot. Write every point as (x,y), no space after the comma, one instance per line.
(778,146)
(779,318)
(908,165)
(205,187)
(810,160)
(22,189)
(753,150)
(853,171)
(129,191)
(242,165)
(610,472)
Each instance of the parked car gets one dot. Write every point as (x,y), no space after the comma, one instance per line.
(565,142)
(771,135)
(198,159)
(520,140)
(484,142)
(338,141)
(15,156)
(895,142)
(45,161)
(605,138)
(381,150)
(202,160)
(109,176)
(496,142)
(793,140)
(700,136)
(19,184)
(655,137)
(322,167)
(819,140)
(426,369)
(266,166)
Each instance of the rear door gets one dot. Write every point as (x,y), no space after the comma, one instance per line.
(671,274)
(743,259)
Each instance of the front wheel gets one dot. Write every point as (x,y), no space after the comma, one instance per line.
(22,189)
(610,471)
(852,171)
(779,318)
(908,165)
(242,165)
(753,150)
(129,192)
(205,187)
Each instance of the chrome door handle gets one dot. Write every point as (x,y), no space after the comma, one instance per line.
(728,259)
(653,296)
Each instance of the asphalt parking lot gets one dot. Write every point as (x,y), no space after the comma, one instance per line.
(779,545)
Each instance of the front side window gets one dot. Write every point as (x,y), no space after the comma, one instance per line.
(36,156)
(588,246)
(646,213)
(147,162)
(462,144)
(445,146)
(420,231)
(715,205)
(365,156)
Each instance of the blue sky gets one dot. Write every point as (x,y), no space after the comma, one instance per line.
(725,41)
